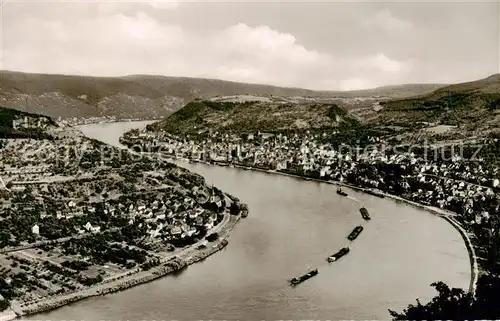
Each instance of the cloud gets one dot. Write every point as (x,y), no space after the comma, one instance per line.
(267,44)
(164,4)
(383,63)
(113,43)
(385,20)
(355,84)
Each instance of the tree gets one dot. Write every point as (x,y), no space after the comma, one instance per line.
(456,304)
(234,208)
(449,304)
(4,304)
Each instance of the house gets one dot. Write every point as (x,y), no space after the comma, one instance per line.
(35,229)
(191,231)
(71,204)
(193,214)
(88,226)
(176,231)
(154,233)
(209,225)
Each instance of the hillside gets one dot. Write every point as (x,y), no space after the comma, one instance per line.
(143,96)
(397,91)
(472,105)
(78,96)
(16,124)
(251,115)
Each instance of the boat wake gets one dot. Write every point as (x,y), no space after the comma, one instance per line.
(354,199)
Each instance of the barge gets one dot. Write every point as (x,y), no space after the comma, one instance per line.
(341,192)
(343,251)
(304,277)
(365,214)
(355,233)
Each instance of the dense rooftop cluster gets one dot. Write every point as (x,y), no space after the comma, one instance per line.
(75,212)
(464,181)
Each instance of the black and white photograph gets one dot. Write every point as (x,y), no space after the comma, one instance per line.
(255,160)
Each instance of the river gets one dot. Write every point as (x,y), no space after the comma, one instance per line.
(292,227)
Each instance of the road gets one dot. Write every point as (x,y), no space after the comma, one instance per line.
(56,241)
(455,179)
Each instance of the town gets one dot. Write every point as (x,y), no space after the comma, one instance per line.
(76,213)
(465,188)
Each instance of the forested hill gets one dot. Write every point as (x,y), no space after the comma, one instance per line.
(145,96)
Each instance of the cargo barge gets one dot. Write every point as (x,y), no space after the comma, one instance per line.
(355,233)
(341,192)
(304,277)
(364,214)
(343,251)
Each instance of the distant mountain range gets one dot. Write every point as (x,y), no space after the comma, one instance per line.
(472,106)
(143,96)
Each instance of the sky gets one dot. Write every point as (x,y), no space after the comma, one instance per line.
(327,45)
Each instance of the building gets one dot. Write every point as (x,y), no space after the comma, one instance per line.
(35,229)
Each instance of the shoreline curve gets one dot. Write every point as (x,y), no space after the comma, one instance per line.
(445,214)
(143,277)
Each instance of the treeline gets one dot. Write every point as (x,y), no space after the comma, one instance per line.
(456,304)
(6,132)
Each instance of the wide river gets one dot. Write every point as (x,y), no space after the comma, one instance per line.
(292,227)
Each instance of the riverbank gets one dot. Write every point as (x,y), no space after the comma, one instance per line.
(170,264)
(7,315)
(447,215)
(470,249)
(109,121)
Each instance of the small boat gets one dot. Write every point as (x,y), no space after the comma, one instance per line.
(365,214)
(343,251)
(355,233)
(304,277)
(341,192)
